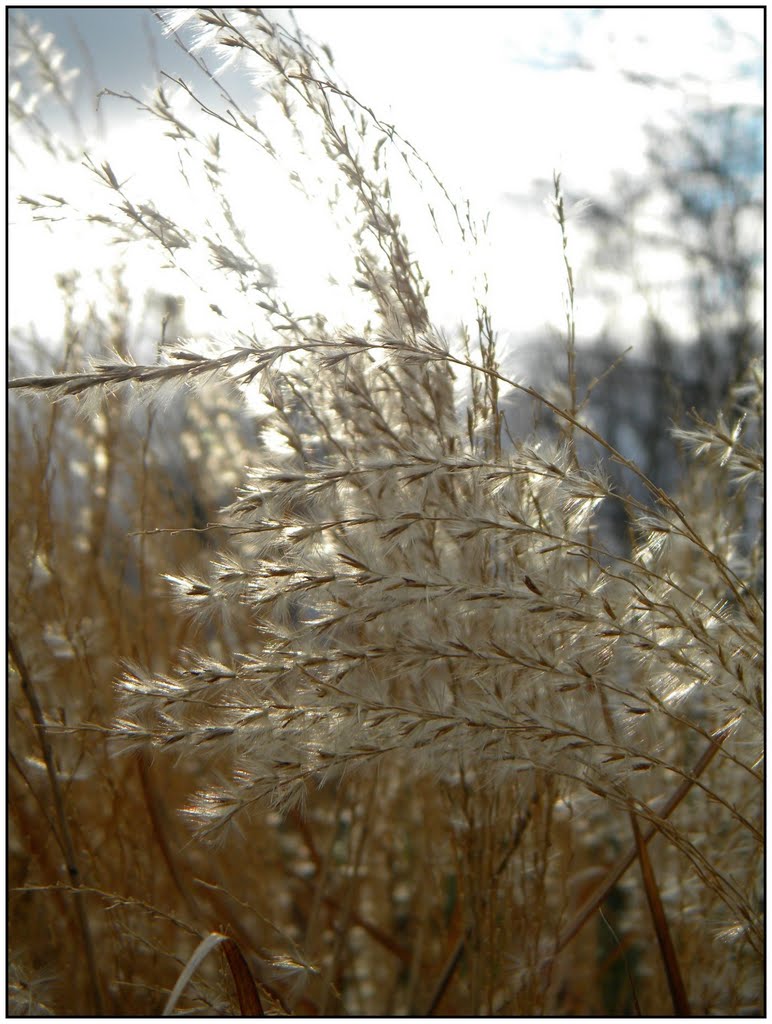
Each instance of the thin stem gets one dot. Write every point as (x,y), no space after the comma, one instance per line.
(68,846)
(623,863)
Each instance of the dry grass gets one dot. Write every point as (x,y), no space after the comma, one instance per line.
(441,750)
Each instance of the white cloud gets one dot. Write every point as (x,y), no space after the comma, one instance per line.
(466,87)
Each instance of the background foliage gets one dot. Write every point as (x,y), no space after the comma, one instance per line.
(427,688)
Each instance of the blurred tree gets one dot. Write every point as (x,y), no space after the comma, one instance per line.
(708,170)
(689,234)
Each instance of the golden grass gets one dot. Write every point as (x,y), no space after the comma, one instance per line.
(356,691)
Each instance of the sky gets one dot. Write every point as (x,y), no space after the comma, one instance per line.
(495,100)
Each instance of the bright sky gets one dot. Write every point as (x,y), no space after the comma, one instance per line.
(494,99)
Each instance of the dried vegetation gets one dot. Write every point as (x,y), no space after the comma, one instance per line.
(437,749)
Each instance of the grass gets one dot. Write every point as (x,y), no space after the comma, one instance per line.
(351,687)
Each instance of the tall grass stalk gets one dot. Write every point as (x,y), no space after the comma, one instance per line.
(371,648)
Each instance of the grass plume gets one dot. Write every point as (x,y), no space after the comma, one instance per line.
(374,652)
